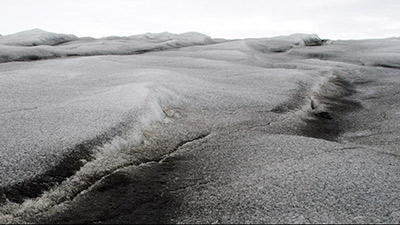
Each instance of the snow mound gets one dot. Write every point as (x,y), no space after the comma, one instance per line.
(36,37)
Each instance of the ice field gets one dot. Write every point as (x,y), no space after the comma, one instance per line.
(184,128)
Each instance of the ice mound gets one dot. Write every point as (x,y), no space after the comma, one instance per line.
(161,41)
(368,52)
(18,47)
(306,39)
(190,37)
(138,44)
(113,117)
(149,102)
(284,43)
(151,109)
(388,60)
(35,37)
(180,40)
(383,53)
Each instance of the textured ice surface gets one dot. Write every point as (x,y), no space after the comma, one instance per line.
(107,97)
(49,107)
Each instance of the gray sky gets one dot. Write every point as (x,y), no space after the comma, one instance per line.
(333,19)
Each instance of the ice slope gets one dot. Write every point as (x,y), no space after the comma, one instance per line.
(58,114)
(373,52)
(48,110)
(49,107)
(55,110)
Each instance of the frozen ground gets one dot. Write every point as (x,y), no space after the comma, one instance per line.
(188,129)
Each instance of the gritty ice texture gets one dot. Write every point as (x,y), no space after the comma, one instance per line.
(50,107)
(58,110)
(290,122)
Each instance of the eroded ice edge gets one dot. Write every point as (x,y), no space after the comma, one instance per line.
(93,109)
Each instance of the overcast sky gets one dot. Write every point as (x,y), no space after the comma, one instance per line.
(332,19)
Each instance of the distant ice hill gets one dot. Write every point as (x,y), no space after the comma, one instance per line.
(36,37)
(37,44)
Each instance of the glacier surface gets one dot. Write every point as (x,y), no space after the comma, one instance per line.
(75,110)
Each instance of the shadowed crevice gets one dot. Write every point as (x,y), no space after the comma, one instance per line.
(134,194)
(70,162)
(328,107)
